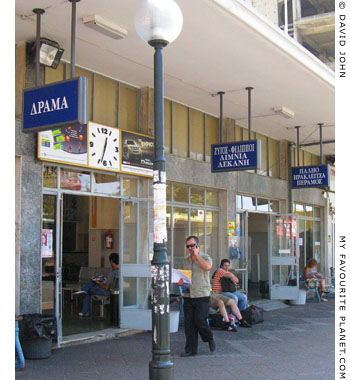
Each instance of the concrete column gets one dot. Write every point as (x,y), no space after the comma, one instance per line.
(28,197)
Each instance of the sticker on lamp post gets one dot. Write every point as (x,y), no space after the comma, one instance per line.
(244,155)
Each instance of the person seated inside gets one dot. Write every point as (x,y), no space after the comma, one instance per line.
(218,301)
(311,272)
(223,271)
(98,287)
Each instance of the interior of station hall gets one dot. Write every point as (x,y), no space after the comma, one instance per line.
(89,213)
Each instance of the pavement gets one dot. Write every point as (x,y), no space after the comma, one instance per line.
(294,342)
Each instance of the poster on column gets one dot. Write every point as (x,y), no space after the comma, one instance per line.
(46,243)
(67,144)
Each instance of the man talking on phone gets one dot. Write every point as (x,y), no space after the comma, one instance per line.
(196,298)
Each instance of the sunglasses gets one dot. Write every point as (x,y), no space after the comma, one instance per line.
(191,245)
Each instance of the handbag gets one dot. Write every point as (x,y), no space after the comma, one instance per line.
(253,314)
(227,285)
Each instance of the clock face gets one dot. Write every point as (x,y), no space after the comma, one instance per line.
(103,147)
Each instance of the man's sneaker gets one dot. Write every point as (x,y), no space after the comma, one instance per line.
(244,323)
(212,345)
(83,315)
(79,292)
(230,326)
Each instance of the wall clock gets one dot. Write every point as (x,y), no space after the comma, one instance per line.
(103,147)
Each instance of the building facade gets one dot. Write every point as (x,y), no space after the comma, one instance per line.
(86,211)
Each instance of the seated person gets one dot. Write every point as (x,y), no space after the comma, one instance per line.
(97,288)
(221,302)
(311,272)
(223,271)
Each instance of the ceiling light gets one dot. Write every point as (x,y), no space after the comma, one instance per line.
(50,52)
(105,27)
(285,112)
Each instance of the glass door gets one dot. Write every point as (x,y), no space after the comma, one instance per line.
(136,248)
(284,256)
(238,249)
(51,299)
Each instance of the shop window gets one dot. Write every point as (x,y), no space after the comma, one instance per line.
(180,230)
(130,233)
(248,203)
(197,224)
(211,135)
(197,196)
(74,180)
(212,198)
(317,241)
(274,206)
(105,184)
(180,130)
(50,176)
(196,135)
(212,236)
(168,192)
(128,100)
(299,209)
(167,126)
(262,205)
(274,158)
(130,187)
(180,193)
(136,292)
(317,213)
(48,244)
(105,101)
(308,210)
(168,228)
(302,259)
(239,203)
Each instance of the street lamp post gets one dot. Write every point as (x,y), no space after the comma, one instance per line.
(159,22)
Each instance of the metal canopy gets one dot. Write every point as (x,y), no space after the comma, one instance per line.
(225,45)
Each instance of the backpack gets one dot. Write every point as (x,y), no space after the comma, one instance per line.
(253,314)
(227,285)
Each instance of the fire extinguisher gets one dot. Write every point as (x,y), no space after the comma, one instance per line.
(109,239)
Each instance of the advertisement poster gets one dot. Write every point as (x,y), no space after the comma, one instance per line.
(231,229)
(137,153)
(46,243)
(68,144)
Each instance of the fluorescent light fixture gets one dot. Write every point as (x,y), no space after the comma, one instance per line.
(284,111)
(105,27)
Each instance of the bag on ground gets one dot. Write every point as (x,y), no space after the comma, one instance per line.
(253,314)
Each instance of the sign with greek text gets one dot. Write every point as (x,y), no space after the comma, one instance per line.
(310,176)
(55,105)
(243,155)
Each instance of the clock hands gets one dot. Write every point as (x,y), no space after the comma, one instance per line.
(104,148)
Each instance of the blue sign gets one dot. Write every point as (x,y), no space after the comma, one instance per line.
(243,155)
(310,176)
(56,105)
